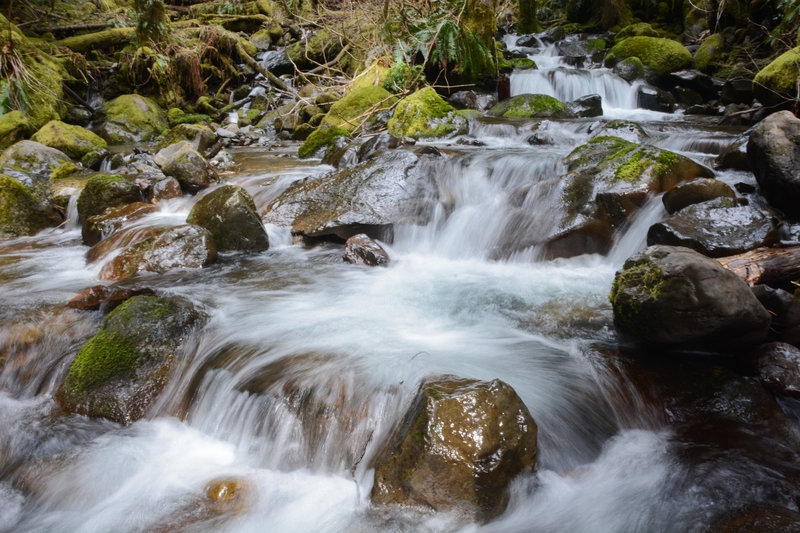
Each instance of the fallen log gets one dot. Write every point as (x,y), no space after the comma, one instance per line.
(99,40)
(765,265)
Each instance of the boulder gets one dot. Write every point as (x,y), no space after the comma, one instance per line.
(676,297)
(637,29)
(322,137)
(659,56)
(132,118)
(695,192)
(358,106)
(14,127)
(654,99)
(629,69)
(587,106)
(106,298)
(122,369)
(104,191)
(394,187)
(229,214)
(182,162)
(778,366)
(737,91)
(74,141)
(776,83)
(200,137)
(716,228)
(531,106)
(708,52)
(30,162)
(97,227)
(165,189)
(472,100)
(757,518)
(734,156)
(774,154)
(785,310)
(458,448)
(624,129)
(362,250)
(425,114)
(21,213)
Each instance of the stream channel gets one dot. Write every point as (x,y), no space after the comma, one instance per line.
(627,442)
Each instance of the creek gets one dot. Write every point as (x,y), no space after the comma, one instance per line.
(307,363)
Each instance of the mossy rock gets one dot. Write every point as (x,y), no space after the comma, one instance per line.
(630,69)
(132,118)
(74,141)
(181,161)
(104,191)
(661,56)
(709,51)
(638,29)
(21,213)
(177,116)
(201,137)
(521,63)
(262,40)
(777,82)
(323,136)
(31,162)
(373,76)
(14,126)
(65,171)
(319,48)
(425,114)
(530,106)
(122,369)
(346,112)
(96,228)
(229,213)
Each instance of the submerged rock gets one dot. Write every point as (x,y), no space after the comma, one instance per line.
(675,296)
(695,192)
(74,141)
(425,114)
(21,213)
(104,191)
(757,518)
(30,162)
(122,369)
(132,118)
(361,250)
(531,106)
(230,215)
(458,448)
(774,154)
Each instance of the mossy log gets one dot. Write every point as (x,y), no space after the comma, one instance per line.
(765,265)
(100,40)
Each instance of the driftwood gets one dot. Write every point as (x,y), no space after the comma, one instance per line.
(765,265)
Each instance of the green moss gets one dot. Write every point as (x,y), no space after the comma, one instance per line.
(529,106)
(422,114)
(778,81)
(649,281)
(374,75)
(106,190)
(708,51)
(632,169)
(138,116)
(660,55)
(74,141)
(323,136)
(357,106)
(14,126)
(522,63)
(98,40)
(20,211)
(320,48)
(65,170)
(665,162)
(639,29)
(596,45)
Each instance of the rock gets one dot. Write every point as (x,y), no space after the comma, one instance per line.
(654,99)
(165,189)
(225,133)
(74,141)
(315,50)
(14,127)
(587,106)
(424,114)
(472,100)
(111,220)
(675,296)
(624,129)
(122,369)
(757,518)
(322,137)
(200,137)
(531,106)
(30,162)
(700,84)
(163,250)
(379,143)
(21,213)
(709,51)
(776,83)
(734,156)
(132,118)
(737,91)
(716,228)
(358,106)
(659,56)
(106,298)
(695,192)
(361,250)
(182,162)
(774,154)
(637,29)
(104,191)
(629,69)
(458,448)
(228,496)
(785,310)
(394,187)
(779,368)
(230,215)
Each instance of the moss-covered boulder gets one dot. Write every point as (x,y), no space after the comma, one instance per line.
(229,213)
(777,82)
(21,213)
(708,52)
(630,69)
(638,29)
(98,227)
(660,56)
(14,126)
(122,369)
(320,48)
(104,191)
(31,162)
(425,114)
(132,118)
(530,106)
(358,106)
(182,162)
(675,296)
(199,136)
(322,137)
(74,141)
(458,448)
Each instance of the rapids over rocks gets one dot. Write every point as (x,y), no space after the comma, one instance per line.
(278,405)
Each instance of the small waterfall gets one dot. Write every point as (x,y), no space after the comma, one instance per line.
(567,84)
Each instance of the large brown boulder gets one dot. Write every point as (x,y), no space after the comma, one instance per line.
(774,154)
(458,448)
(229,213)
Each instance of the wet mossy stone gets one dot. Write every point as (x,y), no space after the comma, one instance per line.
(677,297)
(177,116)
(104,191)
(320,138)
(774,154)
(776,83)
(98,227)
(31,162)
(458,448)
(347,112)
(199,136)
(132,118)
(229,213)
(709,51)
(14,126)
(122,369)
(21,213)
(74,141)
(425,114)
(661,56)
(630,69)
(530,106)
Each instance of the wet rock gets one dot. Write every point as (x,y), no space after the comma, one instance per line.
(659,56)
(132,118)
(675,296)
(74,141)
(425,114)
(587,106)
(528,41)
(165,189)
(701,84)
(778,366)
(393,187)
(97,227)
(655,99)
(624,129)
(106,298)
(14,127)
(230,215)
(122,369)
(379,143)
(228,496)
(355,108)
(30,162)
(104,191)
(737,91)
(695,192)
(21,213)
(472,100)
(629,69)
(716,228)
(458,448)
(322,137)
(182,162)
(785,310)
(361,250)
(200,137)
(774,154)
(531,106)
(734,156)
(341,153)
(277,62)
(757,518)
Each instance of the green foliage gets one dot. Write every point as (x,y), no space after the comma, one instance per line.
(401,77)
(789,24)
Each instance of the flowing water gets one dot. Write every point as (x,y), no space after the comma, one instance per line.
(307,363)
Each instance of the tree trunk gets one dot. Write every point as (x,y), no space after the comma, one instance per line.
(153,26)
(765,265)
(528,23)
